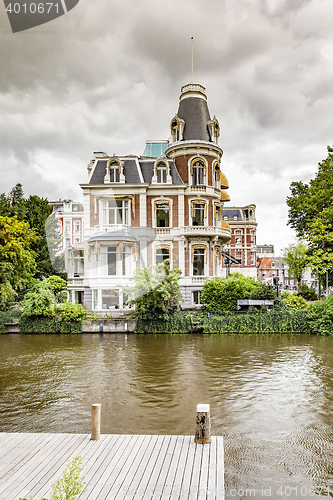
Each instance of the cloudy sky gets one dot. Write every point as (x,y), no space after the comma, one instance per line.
(107,75)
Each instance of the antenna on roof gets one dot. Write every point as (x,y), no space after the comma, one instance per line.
(192,57)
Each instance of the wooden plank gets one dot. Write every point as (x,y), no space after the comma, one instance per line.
(186,482)
(145,478)
(115,477)
(177,484)
(133,486)
(119,487)
(204,468)
(49,458)
(151,485)
(195,477)
(173,468)
(114,450)
(219,468)
(43,486)
(212,468)
(160,484)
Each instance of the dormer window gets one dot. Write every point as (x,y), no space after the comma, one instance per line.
(114,172)
(198,174)
(161,172)
(175,131)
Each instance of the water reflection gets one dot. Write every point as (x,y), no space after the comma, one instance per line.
(270,396)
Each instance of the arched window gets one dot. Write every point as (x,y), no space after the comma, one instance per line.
(114,172)
(198,174)
(217,183)
(161,172)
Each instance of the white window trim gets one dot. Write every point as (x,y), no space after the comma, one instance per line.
(154,202)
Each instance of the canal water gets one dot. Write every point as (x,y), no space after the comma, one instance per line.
(270,396)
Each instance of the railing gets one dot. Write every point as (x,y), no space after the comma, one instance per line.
(162,230)
(196,280)
(208,230)
(75,281)
(198,189)
(111,227)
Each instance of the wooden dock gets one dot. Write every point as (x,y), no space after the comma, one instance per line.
(121,467)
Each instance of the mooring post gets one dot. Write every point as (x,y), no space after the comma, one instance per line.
(95,421)
(202,427)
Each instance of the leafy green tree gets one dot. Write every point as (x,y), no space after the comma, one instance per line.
(37,212)
(70,312)
(320,317)
(221,294)
(17,260)
(311,215)
(58,286)
(307,293)
(295,256)
(156,292)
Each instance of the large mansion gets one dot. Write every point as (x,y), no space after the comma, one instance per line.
(166,204)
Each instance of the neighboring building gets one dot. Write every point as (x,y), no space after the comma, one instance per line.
(69,215)
(271,268)
(242,245)
(166,204)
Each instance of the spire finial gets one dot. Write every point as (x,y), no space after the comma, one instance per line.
(192,57)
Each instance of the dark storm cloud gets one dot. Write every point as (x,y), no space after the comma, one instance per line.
(107,76)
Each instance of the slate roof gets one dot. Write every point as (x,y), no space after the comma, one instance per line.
(131,172)
(231,212)
(194,111)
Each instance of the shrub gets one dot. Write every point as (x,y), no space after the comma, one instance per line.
(70,312)
(320,317)
(221,294)
(39,301)
(294,302)
(307,293)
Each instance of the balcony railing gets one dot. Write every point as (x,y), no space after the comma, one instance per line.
(198,189)
(111,227)
(207,231)
(198,280)
(162,230)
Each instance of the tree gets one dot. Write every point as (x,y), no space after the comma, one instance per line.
(17,260)
(311,215)
(37,212)
(156,292)
(295,256)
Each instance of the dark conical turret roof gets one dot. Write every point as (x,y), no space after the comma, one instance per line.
(193,109)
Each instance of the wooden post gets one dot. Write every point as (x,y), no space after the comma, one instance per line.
(202,427)
(95,421)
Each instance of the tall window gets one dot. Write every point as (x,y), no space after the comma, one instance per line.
(175,131)
(162,215)
(114,172)
(217,183)
(217,216)
(115,212)
(238,237)
(112,260)
(67,226)
(78,263)
(161,171)
(252,236)
(199,262)
(126,264)
(253,258)
(239,256)
(162,254)
(198,217)
(77,225)
(198,174)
